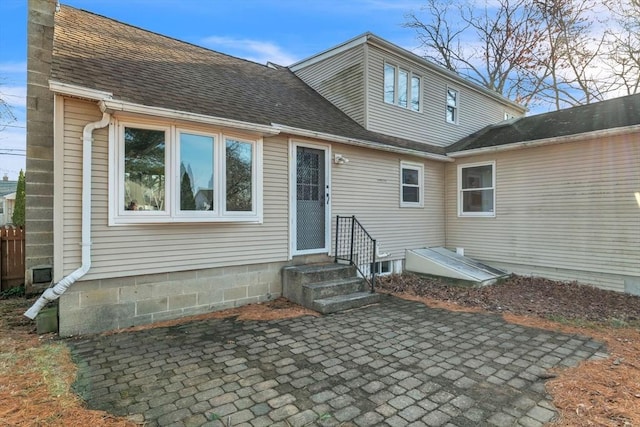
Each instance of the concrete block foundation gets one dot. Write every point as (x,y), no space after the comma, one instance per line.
(93,306)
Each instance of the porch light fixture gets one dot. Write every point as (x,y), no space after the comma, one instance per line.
(339,159)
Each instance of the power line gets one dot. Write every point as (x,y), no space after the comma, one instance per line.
(13,126)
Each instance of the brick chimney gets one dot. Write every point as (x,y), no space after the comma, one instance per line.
(39,180)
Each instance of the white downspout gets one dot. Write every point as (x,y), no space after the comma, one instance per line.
(53,293)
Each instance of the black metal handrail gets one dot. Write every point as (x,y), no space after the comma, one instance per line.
(355,245)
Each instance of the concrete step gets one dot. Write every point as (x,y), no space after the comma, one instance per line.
(314,273)
(295,278)
(332,288)
(345,302)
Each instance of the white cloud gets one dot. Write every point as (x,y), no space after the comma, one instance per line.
(14,96)
(254,50)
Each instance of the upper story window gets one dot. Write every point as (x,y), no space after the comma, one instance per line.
(171,174)
(509,116)
(411,181)
(401,87)
(476,189)
(452,105)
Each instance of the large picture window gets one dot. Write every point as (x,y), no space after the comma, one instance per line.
(401,87)
(476,188)
(411,179)
(171,174)
(144,169)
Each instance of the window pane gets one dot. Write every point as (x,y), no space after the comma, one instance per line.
(239,161)
(410,176)
(196,172)
(410,194)
(403,88)
(415,93)
(477,177)
(389,83)
(452,98)
(144,169)
(477,201)
(451,114)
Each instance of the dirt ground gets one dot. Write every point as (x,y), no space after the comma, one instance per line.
(37,371)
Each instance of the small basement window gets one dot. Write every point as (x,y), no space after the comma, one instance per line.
(384,268)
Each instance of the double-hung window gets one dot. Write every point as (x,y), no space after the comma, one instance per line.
(411,180)
(174,174)
(476,189)
(452,105)
(401,87)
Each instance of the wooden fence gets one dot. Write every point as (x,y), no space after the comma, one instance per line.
(12,243)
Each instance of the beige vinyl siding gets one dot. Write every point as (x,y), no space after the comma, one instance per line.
(156,248)
(568,211)
(429,125)
(369,188)
(340,79)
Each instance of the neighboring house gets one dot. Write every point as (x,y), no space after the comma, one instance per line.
(7,199)
(273,154)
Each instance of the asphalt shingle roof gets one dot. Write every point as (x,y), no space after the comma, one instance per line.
(150,69)
(614,113)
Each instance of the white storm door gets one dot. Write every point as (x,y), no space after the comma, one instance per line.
(311,222)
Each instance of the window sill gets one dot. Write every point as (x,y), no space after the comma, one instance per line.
(118,221)
(477,215)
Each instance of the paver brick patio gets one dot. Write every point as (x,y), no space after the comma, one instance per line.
(393,364)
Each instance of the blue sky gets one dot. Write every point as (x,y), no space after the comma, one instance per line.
(281,31)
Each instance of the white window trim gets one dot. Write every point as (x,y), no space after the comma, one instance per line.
(491,214)
(457,106)
(410,76)
(420,168)
(172,214)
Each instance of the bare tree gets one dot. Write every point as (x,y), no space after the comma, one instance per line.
(531,51)
(571,62)
(493,47)
(623,46)
(6,113)
(439,37)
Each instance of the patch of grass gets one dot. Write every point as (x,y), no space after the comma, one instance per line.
(618,323)
(212,416)
(612,322)
(324,417)
(48,361)
(15,292)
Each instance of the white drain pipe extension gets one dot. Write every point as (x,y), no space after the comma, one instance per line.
(53,293)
